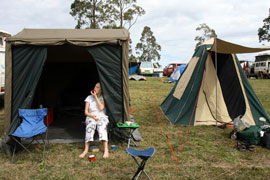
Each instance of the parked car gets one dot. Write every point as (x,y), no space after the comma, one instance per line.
(168,70)
(262,66)
(146,68)
(262,69)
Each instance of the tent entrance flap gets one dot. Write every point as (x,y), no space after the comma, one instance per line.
(27,62)
(108,59)
(230,85)
(207,103)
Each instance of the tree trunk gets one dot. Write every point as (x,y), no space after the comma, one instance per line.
(121,14)
(94,15)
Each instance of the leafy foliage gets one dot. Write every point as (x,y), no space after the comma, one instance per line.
(264,31)
(207,33)
(132,58)
(89,13)
(106,13)
(148,49)
(123,13)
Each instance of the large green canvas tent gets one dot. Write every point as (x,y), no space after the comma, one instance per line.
(214,89)
(57,68)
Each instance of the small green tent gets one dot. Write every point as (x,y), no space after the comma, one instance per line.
(58,67)
(214,89)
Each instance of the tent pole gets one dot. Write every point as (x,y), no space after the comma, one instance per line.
(216,83)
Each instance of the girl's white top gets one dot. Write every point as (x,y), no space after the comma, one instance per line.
(93,106)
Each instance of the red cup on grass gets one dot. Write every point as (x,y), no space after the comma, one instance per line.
(92,158)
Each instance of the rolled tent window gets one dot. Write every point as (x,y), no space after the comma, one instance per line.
(108,60)
(27,66)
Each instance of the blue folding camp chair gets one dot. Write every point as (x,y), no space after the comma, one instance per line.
(144,154)
(32,126)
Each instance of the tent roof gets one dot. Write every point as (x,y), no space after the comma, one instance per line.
(231,48)
(4,33)
(57,35)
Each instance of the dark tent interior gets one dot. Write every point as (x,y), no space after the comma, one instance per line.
(68,75)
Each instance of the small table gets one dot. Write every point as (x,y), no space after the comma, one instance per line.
(131,129)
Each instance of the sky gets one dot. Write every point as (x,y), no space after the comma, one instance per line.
(173,22)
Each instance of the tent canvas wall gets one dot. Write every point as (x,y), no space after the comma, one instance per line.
(214,88)
(58,67)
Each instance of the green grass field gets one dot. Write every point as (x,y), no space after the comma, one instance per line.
(205,155)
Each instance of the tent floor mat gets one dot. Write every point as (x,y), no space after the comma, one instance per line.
(66,133)
(67,129)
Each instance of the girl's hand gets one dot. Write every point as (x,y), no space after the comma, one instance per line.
(93,93)
(95,117)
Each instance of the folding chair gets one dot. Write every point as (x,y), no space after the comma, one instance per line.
(32,126)
(144,154)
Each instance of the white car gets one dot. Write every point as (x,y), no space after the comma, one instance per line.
(146,68)
(262,66)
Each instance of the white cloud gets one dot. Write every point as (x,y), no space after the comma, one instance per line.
(174,23)
(19,14)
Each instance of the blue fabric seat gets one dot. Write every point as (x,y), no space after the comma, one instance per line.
(32,123)
(144,154)
(32,126)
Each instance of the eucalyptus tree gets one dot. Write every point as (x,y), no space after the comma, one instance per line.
(106,13)
(264,31)
(89,13)
(207,33)
(148,49)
